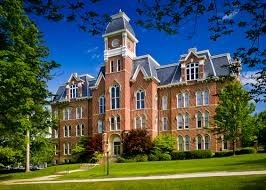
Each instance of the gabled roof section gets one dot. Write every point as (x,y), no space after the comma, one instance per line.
(166,73)
(120,21)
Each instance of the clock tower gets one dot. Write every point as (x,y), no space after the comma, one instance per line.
(120,50)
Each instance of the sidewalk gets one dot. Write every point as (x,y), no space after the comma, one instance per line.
(172,176)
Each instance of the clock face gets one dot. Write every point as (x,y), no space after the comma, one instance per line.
(115,43)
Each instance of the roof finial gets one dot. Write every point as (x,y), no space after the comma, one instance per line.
(120,10)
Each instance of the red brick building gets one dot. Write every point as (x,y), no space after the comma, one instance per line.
(133,91)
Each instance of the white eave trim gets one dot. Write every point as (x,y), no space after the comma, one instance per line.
(100,77)
(138,69)
(149,57)
(120,31)
(195,53)
(75,77)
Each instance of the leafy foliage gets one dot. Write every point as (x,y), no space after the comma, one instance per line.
(136,142)
(261,122)
(164,143)
(233,114)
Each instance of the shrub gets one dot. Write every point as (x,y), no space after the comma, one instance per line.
(164,157)
(199,154)
(247,150)
(120,159)
(153,157)
(165,143)
(141,158)
(97,156)
(178,155)
(223,154)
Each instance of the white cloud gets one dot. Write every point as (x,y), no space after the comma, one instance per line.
(92,49)
(231,15)
(248,77)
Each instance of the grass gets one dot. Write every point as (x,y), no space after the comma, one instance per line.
(234,163)
(38,173)
(214,183)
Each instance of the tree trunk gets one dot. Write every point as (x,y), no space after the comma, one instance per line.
(27,151)
(234,147)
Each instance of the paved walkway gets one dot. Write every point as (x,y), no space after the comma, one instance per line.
(172,176)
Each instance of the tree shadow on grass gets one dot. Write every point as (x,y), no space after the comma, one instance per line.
(260,162)
(5,177)
(258,183)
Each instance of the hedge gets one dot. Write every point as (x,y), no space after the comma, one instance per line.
(194,154)
(247,150)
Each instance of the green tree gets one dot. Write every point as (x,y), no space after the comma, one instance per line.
(261,135)
(23,76)
(233,114)
(165,143)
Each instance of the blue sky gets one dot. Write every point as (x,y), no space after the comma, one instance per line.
(79,52)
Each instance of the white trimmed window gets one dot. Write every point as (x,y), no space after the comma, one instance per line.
(192,71)
(164,102)
(165,124)
(143,122)
(140,103)
(67,131)
(67,148)
(207,142)
(112,66)
(199,98)
(199,142)
(180,121)
(206,97)
(140,122)
(55,133)
(186,100)
(118,64)
(206,118)
(180,100)
(186,121)
(56,149)
(74,91)
(79,112)
(78,129)
(115,123)
(180,143)
(115,97)
(187,143)
(101,104)
(199,120)
(67,113)
(100,126)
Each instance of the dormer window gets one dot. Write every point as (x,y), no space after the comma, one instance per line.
(74,91)
(192,71)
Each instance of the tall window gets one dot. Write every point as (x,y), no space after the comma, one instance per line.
(79,112)
(56,133)
(112,123)
(111,66)
(199,120)
(140,99)
(69,131)
(207,142)
(165,124)
(192,71)
(199,98)
(118,64)
(186,100)
(138,122)
(101,104)
(180,122)
(206,97)
(164,102)
(67,148)
(199,142)
(56,149)
(206,119)
(115,97)
(143,122)
(80,130)
(73,91)
(179,100)
(100,126)
(67,114)
(187,143)
(118,123)
(65,131)
(115,123)
(180,143)
(186,121)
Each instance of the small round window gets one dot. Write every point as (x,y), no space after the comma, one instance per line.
(115,42)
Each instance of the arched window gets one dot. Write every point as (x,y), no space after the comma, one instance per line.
(143,122)
(78,130)
(138,122)
(65,131)
(180,122)
(79,112)
(187,143)
(164,102)
(186,121)
(206,119)
(207,142)
(192,71)
(100,126)
(199,120)
(112,123)
(111,66)
(101,104)
(140,99)
(82,131)
(180,143)
(73,91)
(199,142)
(118,64)
(115,97)
(186,100)
(199,98)
(180,100)
(206,97)
(118,122)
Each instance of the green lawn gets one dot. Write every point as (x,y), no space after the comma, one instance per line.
(214,183)
(38,173)
(237,163)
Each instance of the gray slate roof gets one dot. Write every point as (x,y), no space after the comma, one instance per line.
(119,24)
(148,64)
